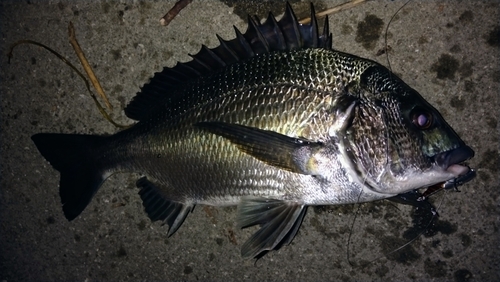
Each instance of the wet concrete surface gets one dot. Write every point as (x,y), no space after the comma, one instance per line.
(448,51)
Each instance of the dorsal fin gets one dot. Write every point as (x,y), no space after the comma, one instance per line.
(283,35)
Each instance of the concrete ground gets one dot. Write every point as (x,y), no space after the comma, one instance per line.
(448,51)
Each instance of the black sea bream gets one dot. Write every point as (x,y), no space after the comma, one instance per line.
(273,121)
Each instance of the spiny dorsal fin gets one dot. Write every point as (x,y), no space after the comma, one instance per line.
(283,35)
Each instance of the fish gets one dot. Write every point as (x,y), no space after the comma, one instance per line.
(272,121)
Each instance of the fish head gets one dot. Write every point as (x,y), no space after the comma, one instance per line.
(395,140)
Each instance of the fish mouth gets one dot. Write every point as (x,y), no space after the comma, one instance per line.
(451,160)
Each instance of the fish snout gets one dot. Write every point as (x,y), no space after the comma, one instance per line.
(451,160)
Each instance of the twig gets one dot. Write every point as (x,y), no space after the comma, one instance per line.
(174,11)
(87,85)
(335,9)
(86,65)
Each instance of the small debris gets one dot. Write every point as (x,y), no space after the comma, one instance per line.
(181,4)
(336,9)
(86,65)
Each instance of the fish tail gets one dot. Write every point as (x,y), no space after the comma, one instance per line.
(76,158)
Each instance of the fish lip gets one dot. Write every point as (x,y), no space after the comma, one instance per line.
(450,160)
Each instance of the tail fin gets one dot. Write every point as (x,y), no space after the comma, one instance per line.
(75,157)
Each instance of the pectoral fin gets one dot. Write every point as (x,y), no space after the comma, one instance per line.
(289,153)
(279,221)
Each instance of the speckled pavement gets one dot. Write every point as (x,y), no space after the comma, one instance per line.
(447,50)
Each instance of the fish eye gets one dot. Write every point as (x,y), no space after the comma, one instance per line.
(421,119)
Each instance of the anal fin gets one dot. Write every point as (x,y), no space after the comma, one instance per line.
(279,221)
(160,208)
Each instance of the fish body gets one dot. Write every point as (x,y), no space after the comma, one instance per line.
(273,121)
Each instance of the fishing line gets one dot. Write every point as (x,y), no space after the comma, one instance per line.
(352,227)
(434,216)
(361,192)
(387,30)
(387,149)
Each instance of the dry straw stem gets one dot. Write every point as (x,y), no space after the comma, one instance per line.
(335,9)
(181,4)
(86,65)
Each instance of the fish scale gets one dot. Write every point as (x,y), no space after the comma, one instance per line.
(273,121)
